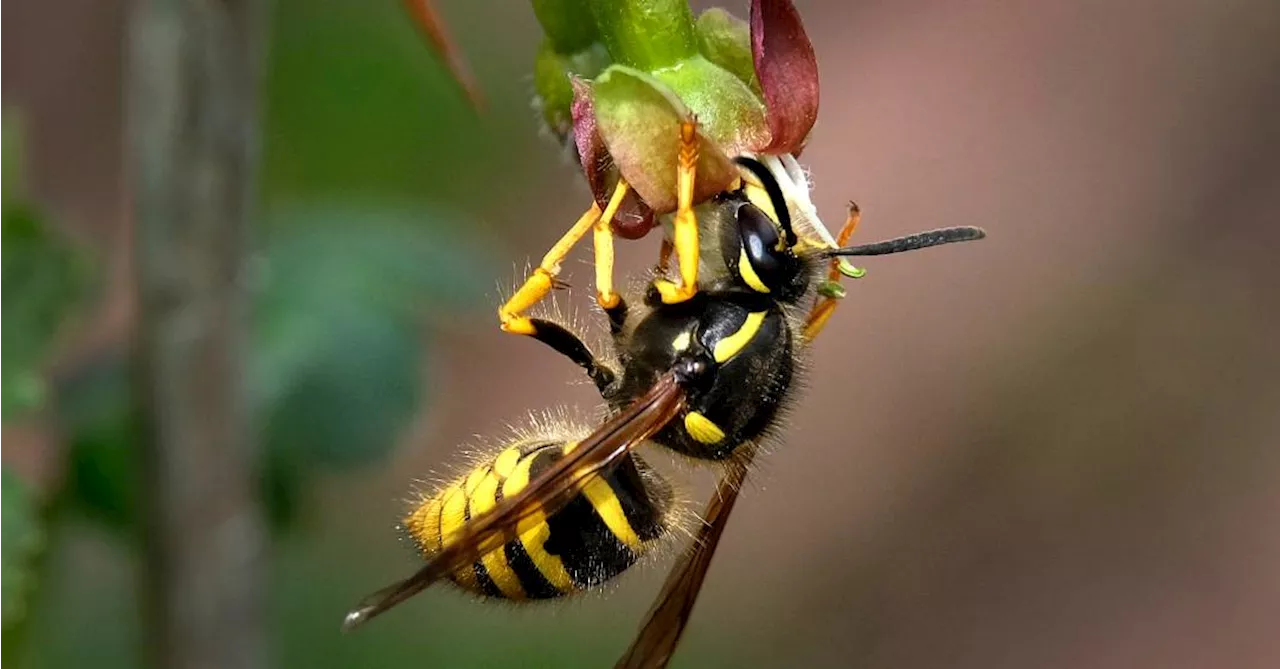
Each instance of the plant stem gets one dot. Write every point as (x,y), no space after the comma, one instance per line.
(646,34)
(192,141)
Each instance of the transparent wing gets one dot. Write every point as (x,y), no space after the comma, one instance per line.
(670,612)
(547,493)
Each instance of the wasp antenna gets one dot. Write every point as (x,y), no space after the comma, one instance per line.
(354,619)
(920,240)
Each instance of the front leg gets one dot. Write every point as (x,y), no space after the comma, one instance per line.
(685,232)
(572,347)
(536,288)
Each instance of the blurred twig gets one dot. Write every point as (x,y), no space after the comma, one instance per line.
(428,18)
(192,134)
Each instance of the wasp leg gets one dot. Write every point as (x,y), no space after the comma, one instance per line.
(664,256)
(543,279)
(685,233)
(826,306)
(603,239)
(572,347)
(617,314)
(537,286)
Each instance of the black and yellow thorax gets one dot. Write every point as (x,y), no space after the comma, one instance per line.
(746,343)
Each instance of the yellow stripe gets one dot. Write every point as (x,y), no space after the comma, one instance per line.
(474,479)
(682,341)
(702,429)
(452,517)
(733,344)
(495,562)
(608,507)
(748,273)
(534,531)
(423,524)
(506,462)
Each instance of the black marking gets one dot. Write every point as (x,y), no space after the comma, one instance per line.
(484,583)
(617,316)
(741,395)
(532,580)
(645,506)
(590,552)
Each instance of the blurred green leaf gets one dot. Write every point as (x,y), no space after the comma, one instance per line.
(356,104)
(96,407)
(23,538)
(335,368)
(725,40)
(11,153)
(338,352)
(40,282)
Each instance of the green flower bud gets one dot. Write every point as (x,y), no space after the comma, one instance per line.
(725,40)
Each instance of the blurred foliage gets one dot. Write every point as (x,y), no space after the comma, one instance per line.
(358,105)
(336,352)
(369,155)
(23,537)
(43,277)
(10,155)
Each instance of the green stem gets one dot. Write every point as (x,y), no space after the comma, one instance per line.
(646,34)
(568,24)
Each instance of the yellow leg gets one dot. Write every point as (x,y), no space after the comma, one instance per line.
(664,256)
(540,283)
(826,306)
(603,239)
(685,235)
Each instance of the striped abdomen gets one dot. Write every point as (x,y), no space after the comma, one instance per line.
(597,536)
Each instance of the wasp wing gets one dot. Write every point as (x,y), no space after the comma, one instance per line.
(670,612)
(547,493)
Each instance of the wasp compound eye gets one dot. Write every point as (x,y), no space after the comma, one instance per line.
(759,263)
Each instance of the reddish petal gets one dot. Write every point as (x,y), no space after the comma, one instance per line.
(592,153)
(634,219)
(788,72)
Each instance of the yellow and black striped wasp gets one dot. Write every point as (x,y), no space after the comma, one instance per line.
(558,511)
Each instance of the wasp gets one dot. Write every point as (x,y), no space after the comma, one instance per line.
(707,377)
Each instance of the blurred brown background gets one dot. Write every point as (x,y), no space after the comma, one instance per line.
(1056,448)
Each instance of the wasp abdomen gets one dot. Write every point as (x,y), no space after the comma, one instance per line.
(594,538)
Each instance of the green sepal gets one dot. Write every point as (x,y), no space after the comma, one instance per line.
(551,79)
(568,24)
(727,110)
(725,40)
(639,119)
